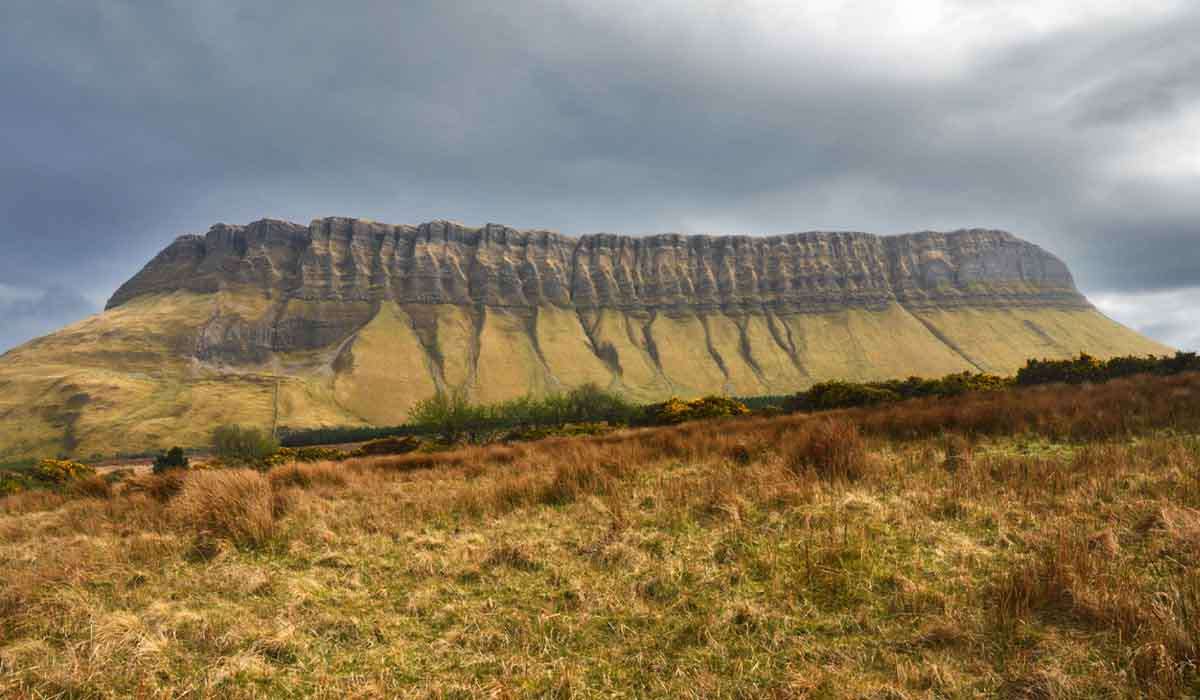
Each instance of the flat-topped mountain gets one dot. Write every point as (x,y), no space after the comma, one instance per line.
(446,263)
(348,321)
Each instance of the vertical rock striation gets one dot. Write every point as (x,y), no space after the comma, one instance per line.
(441,262)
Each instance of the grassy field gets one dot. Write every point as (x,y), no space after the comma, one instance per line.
(1029,543)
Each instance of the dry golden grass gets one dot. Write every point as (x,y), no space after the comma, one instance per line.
(832,448)
(233,504)
(692,561)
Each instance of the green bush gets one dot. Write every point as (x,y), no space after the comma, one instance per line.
(827,395)
(171,459)
(241,445)
(591,404)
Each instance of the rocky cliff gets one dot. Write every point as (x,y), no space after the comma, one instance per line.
(446,263)
(351,321)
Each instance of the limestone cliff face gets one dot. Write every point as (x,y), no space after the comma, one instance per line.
(446,263)
(348,322)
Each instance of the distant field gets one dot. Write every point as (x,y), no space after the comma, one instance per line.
(1036,542)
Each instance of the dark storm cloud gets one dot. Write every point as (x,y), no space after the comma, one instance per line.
(126,123)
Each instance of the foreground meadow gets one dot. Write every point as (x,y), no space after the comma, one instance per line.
(1036,543)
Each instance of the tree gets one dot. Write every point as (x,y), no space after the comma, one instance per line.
(589,402)
(449,414)
(236,444)
(171,459)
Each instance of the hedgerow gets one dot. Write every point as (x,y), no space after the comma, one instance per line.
(453,418)
(1076,370)
(838,394)
(1085,368)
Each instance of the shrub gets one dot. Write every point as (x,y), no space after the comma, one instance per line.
(171,459)
(828,395)
(235,444)
(674,411)
(61,471)
(589,404)
(232,504)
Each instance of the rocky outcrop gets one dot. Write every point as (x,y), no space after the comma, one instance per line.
(446,263)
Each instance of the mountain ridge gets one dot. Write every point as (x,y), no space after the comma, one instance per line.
(812,269)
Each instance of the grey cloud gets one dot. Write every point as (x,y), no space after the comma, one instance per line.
(1159,90)
(130,122)
(1168,315)
(30,313)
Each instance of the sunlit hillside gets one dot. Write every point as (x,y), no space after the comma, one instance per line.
(128,380)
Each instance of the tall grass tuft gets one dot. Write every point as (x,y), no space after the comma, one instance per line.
(308,475)
(576,479)
(235,505)
(832,448)
(1081,579)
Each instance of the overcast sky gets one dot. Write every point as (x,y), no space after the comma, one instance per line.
(1072,123)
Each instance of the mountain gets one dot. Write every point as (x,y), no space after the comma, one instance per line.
(348,321)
